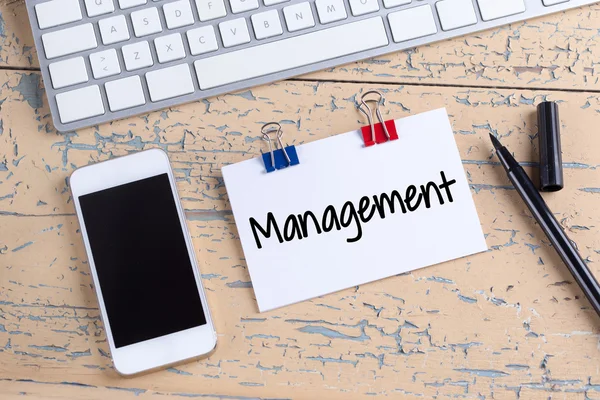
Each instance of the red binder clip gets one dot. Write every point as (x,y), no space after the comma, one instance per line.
(380,132)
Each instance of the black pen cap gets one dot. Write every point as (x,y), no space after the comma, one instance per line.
(551,169)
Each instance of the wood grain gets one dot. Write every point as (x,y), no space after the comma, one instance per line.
(508,323)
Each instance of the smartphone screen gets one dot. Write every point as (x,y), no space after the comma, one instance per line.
(139,250)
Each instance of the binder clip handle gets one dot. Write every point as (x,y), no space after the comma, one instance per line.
(384,126)
(277,156)
(267,130)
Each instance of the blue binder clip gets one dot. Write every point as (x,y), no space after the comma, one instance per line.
(283,157)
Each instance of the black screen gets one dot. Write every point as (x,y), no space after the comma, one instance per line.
(139,250)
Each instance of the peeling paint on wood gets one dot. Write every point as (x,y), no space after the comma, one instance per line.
(506,324)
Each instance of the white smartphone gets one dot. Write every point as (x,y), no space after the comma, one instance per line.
(147,281)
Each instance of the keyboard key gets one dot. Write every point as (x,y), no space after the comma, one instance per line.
(146,22)
(412,23)
(494,9)
(298,16)
(210,9)
(113,29)
(395,3)
(105,63)
(238,6)
(553,2)
(57,12)
(68,72)
(125,93)
(69,41)
(362,7)
(266,24)
(79,104)
(273,2)
(170,82)
(169,48)
(99,7)
(131,3)
(178,14)
(202,40)
(456,14)
(137,56)
(331,10)
(234,32)
(290,53)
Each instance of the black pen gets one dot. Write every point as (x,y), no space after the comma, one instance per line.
(565,248)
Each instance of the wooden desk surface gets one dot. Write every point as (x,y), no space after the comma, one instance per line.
(506,324)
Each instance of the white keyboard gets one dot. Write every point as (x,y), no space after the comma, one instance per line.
(108,59)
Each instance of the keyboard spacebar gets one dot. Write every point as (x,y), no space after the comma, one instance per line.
(290,53)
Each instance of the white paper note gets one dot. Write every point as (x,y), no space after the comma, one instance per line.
(339,177)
